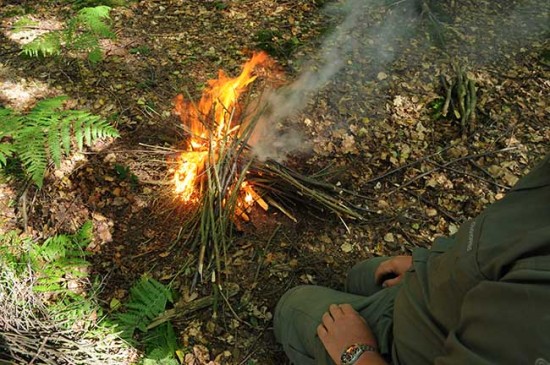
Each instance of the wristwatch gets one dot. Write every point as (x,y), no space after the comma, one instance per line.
(352,353)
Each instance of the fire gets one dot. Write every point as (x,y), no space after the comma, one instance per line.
(209,124)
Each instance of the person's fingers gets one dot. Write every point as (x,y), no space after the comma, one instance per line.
(335,311)
(347,308)
(321,330)
(391,282)
(383,269)
(327,319)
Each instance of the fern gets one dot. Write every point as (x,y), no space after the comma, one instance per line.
(81,34)
(60,257)
(45,134)
(48,44)
(148,299)
(22,24)
(161,345)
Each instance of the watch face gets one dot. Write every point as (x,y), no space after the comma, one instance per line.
(350,355)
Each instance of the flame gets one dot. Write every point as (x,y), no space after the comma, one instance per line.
(216,106)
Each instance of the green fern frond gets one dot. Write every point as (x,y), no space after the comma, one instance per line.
(60,256)
(95,55)
(48,44)
(45,133)
(161,345)
(48,106)
(94,20)
(85,234)
(6,150)
(84,42)
(30,149)
(54,142)
(23,23)
(148,299)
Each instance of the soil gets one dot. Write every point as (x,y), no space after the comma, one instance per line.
(418,175)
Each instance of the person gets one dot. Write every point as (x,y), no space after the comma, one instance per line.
(481,296)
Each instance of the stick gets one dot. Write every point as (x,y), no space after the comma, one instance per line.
(450,163)
(182,309)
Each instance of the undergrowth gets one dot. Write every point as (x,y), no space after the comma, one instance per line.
(81,33)
(50,313)
(148,300)
(46,133)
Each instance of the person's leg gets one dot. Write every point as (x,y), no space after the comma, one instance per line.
(361,280)
(300,310)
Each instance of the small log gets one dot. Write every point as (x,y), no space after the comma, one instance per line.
(183,308)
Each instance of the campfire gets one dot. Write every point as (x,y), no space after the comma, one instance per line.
(218,176)
(210,126)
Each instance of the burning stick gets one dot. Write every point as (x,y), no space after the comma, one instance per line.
(219,160)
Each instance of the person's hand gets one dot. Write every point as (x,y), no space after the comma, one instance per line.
(390,272)
(341,327)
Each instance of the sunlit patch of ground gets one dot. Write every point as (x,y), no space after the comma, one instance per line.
(26,34)
(20,94)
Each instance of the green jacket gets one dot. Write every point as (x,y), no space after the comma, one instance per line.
(483,296)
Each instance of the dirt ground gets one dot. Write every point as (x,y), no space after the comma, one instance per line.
(418,175)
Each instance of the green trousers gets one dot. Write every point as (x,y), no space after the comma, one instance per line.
(300,309)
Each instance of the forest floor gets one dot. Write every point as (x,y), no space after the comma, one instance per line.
(374,121)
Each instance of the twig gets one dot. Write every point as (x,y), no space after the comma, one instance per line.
(436,206)
(266,247)
(450,163)
(39,349)
(182,309)
(492,182)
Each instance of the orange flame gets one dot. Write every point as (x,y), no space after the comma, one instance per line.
(218,102)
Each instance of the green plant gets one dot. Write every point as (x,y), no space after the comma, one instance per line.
(124,173)
(45,133)
(63,326)
(141,50)
(79,4)
(60,259)
(148,299)
(274,43)
(161,345)
(81,34)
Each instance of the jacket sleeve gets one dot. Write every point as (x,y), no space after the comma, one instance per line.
(505,321)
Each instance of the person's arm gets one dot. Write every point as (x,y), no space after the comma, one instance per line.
(391,272)
(371,358)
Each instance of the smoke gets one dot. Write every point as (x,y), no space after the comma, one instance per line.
(371,34)
(348,40)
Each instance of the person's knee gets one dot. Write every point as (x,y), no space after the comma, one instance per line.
(285,309)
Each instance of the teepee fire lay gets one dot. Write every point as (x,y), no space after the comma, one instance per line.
(218,175)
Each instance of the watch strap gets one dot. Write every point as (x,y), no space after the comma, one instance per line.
(353,353)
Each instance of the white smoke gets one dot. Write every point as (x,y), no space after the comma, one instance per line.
(269,141)
(379,42)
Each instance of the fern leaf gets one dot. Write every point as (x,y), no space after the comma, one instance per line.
(6,150)
(148,299)
(30,148)
(23,23)
(84,42)
(65,130)
(84,235)
(94,19)
(54,142)
(48,44)
(49,106)
(77,128)
(8,121)
(95,55)
(45,133)
(161,343)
